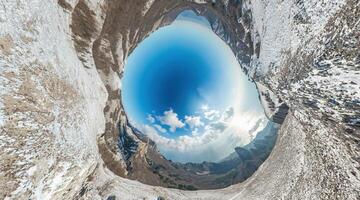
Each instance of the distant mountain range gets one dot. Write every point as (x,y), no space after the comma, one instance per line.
(155,169)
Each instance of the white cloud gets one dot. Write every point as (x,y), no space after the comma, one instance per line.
(195,132)
(211,114)
(205,107)
(218,126)
(171,119)
(226,130)
(160,128)
(193,121)
(151,132)
(228,114)
(150,118)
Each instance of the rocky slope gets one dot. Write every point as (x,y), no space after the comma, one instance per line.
(60,114)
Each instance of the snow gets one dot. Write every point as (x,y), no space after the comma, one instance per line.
(280,35)
(50,50)
(31,170)
(56,158)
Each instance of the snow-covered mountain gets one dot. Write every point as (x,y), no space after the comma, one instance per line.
(60,113)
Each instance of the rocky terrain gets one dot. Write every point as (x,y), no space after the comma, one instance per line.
(236,168)
(65,135)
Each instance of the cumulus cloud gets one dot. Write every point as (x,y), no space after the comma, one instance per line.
(205,107)
(193,121)
(151,132)
(195,132)
(160,128)
(218,126)
(150,118)
(202,146)
(227,130)
(211,114)
(229,113)
(170,118)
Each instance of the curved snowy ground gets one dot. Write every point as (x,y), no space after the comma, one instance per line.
(53,94)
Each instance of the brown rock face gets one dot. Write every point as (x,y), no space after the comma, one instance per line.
(120,33)
(125,25)
(64,133)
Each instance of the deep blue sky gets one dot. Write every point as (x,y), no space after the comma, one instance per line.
(177,71)
(179,67)
(184,88)
(167,70)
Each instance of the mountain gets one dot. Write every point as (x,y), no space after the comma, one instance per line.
(64,133)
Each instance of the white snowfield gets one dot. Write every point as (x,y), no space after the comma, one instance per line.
(52,100)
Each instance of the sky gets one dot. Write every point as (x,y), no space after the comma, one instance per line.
(183,87)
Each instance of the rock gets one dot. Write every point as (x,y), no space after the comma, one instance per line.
(60,69)
(112,197)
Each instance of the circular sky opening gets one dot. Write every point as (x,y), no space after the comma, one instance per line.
(183,87)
